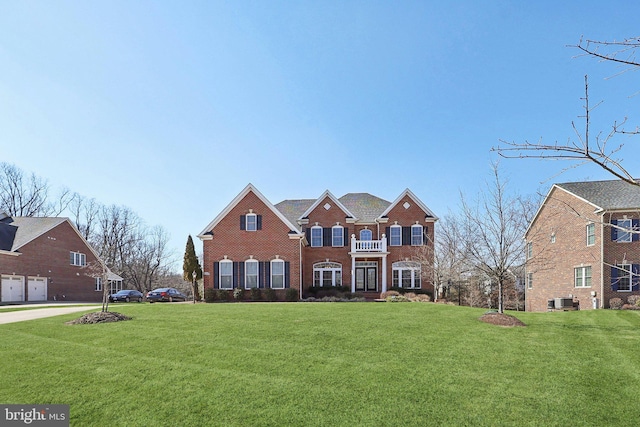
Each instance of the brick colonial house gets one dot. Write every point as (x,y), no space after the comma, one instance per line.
(357,240)
(583,243)
(42,259)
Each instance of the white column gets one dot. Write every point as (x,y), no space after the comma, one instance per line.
(353,272)
(384,273)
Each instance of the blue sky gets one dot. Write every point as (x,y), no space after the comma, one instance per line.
(171,108)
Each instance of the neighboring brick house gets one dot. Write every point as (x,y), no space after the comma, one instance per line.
(583,243)
(45,259)
(358,240)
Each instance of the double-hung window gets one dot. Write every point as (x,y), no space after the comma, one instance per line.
(530,281)
(591,234)
(316,236)
(624,230)
(583,277)
(77,258)
(529,250)
(337,236)
(395,235)
(251,222)
(226,274)
(251,274)
(98,283)
(277,273)
(624,277)
(416,235)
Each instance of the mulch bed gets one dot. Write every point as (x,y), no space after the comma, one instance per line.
(499,319)
(99,317)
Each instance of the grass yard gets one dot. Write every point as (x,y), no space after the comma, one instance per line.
(328,364)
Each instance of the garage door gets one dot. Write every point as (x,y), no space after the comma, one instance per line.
(37,289)
(12,288)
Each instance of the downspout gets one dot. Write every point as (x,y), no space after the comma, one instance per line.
(300,265)
(602,266)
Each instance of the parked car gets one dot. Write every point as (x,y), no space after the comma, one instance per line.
(126,296)
(165,294)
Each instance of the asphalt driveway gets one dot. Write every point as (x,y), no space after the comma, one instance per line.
(39,313)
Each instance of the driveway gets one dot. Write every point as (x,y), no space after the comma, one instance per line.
(39,313)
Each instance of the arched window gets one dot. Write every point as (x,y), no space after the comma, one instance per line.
(406,274)
(365,234)
(277,274)
(327,274)
(226,274)
(251,274)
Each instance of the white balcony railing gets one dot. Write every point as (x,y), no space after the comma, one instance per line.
(368,245)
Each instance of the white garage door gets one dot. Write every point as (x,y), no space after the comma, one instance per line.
(37,289)
(12,288)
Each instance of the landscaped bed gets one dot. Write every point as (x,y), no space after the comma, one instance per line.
(327,364)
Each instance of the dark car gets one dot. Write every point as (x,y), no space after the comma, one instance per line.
(165,294)
(126,296)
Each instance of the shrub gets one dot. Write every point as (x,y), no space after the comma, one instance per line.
(222,295)
(270,295)
(388,294)
(615,303)
(256,294)
(415,291)
(397,298)
(633,300)
(238,294)
(210,295)
(291,295)
(422,298)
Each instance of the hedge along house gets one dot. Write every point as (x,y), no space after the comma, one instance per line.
(360,241)
(45,259)
(584,244)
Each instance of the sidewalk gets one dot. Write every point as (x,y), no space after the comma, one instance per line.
(39,313)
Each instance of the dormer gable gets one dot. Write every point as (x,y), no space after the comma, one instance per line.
(405,200)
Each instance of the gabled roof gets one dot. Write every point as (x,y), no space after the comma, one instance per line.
(293,209)
(606,195)
(364,206)
(331,197)
(413,197)
(248,189)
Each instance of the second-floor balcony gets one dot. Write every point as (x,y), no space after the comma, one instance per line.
(368,245)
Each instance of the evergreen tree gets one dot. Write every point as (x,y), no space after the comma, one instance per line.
(190,265)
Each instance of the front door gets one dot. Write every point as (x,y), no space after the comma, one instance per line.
(367,278)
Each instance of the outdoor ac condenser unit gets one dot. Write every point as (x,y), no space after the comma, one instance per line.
(562,303)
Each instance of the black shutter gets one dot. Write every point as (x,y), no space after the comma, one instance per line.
(267,274)
(287,269)
(326,236)
(636,225)
(347,242)
(614,230)
(406,235)
(614,279)
(243,222)
(235,275)
(259,222)
(635,277)
(261,274)
(387,232)
(307,232)
(216,275)
(241,274)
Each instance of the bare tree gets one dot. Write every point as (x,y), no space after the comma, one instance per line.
(493,233)
(20,195)
(600,150)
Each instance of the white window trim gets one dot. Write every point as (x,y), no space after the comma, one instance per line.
(271,275)
(416,226)
(254,222)
(391,229)
(98,287)
(583,277)
(225,262)
(625,268)
(593,226)
(79,259)
(366,230)
(529,280)
(335,269)
(246,273)
(529,250)
(414,267)
(622,229)
(333,236)
(316,227)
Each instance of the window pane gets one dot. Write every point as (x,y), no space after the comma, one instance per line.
(365,234)
(587,276)
(416,235)
(623,234)
(395,278)
(338,236)
(226,267)
(406,278)
(251,222)
(327,278)
(591,234)
(316,278)
(395,238)
(316,237)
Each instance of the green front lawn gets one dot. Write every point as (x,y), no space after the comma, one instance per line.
(328,364)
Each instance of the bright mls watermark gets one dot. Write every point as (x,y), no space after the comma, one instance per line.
(34,415)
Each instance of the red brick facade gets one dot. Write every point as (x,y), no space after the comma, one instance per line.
(45,260)
(562,253)
(290,240)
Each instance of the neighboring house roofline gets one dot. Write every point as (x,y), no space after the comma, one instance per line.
(315,204)
(413,197)
(203,235)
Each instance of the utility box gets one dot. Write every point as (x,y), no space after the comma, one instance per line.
(563,303)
